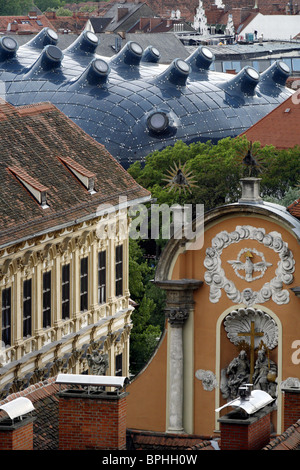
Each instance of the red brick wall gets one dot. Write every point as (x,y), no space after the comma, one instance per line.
(92,423)
(252,436)
(291,408)
(20,438)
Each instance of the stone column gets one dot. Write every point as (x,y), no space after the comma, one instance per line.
(179,304)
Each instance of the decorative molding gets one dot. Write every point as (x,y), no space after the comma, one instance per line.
(215,275)
(239,321)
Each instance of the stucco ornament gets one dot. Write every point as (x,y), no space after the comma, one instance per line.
(215,276)
(239,321)
(208,378)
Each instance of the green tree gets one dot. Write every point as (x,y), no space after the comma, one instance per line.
(48,5)
(148,316)
(15,7)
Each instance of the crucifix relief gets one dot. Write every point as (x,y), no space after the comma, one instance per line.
(255,333)
(252,334)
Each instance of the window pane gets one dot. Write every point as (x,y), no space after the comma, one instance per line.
(6,316)
(102,277)
(84,284)
(119,270)
(65,291)
(47,299)
(27,306)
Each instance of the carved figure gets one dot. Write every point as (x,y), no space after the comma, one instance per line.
(238,373)
(265,374)
(98,363)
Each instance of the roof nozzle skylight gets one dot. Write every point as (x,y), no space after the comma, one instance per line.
(177,73)
(96,73)
(276,74)
(45,37)
(86,42)
(8,48)
(49,60)
(151,54)
(245,82)
(130,54)
(201,59)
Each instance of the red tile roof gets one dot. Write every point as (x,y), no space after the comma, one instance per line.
(288,440)
(148,440)
(33,139)
(294,208)
(24,24)
(280,127)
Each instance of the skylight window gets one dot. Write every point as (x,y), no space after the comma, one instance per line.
(36,189)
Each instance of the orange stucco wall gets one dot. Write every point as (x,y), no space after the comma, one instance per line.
(147,401)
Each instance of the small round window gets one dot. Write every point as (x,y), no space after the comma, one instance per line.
(158,122)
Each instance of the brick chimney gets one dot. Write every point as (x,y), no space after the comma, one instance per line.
(16,430)
(248,426)
(291,405)
(251,433)
(92,416)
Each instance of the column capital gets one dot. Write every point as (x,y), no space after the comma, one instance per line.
(180,299)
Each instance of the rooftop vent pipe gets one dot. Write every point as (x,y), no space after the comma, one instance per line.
(177,73)
(8,48)
(130,54)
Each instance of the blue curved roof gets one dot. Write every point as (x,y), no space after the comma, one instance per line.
(131,103)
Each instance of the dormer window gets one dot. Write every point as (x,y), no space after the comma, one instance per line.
(86,177)
(36,189)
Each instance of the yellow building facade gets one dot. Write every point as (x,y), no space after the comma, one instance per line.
(64,291)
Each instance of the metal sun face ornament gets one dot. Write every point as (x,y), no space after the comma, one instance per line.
(251,161)
(179,179)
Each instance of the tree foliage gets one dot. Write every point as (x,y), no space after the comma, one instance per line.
(15,7)
(217,170)
(148,316)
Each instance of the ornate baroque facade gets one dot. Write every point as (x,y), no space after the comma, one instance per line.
(64,290)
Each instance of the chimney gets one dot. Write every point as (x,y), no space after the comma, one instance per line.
(248,426)
(291,393)
(122,11)
(92,416)
(16,430)
(250,190)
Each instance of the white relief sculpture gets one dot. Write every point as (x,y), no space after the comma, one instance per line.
(239,321)
(248,266)
(208,378)
(215,276)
